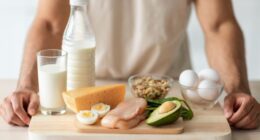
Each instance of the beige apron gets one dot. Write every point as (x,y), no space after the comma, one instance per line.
(140,37)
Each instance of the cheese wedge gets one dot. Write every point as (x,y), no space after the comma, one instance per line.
(84,98)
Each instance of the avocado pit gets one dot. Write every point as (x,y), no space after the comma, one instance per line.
(166,107)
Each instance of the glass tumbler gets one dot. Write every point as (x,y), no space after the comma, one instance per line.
(52,77)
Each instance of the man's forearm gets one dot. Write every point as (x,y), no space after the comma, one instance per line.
(226,53)
(40,36)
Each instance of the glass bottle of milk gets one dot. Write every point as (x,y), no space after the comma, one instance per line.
(79,42)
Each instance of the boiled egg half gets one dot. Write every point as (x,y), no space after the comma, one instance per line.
(101,109)
(87,117)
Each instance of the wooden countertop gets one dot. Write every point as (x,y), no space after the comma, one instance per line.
(11,132)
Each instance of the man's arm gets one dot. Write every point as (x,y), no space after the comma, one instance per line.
(226,53)
(224,43)
(45,33)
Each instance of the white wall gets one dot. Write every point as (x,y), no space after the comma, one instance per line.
(15,18)
(17,15)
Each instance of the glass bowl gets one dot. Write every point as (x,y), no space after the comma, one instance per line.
(191,95)
(150,86)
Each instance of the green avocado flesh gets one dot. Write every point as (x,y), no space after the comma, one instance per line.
(157,119)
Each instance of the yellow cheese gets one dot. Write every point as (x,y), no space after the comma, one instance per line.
(84,98)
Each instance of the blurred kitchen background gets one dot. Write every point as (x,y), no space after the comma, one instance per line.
(16,17)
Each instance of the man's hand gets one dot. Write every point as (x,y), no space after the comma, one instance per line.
(19,107)
(242,111)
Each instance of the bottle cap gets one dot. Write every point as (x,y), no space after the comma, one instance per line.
(78,2)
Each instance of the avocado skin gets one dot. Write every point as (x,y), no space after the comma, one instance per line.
(170,118)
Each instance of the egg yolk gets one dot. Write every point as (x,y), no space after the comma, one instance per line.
(87,114)
(99,107)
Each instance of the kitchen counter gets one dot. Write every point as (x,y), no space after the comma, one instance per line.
(8,132)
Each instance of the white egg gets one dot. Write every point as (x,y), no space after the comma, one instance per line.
(193,96)
(101,109)
(208,90)
(87,117)
(189,78)
(209,74)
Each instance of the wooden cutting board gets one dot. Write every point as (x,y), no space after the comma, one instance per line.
(206,124)
(210,125)
(142,128)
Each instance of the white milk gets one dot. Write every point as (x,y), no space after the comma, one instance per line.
(52,82)
(80,65)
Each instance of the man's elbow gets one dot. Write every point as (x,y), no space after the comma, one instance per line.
(53,27)
(228,27)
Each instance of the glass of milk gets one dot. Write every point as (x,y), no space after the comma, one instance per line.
(52,77)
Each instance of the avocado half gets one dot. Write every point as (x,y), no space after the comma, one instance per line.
(157,119)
